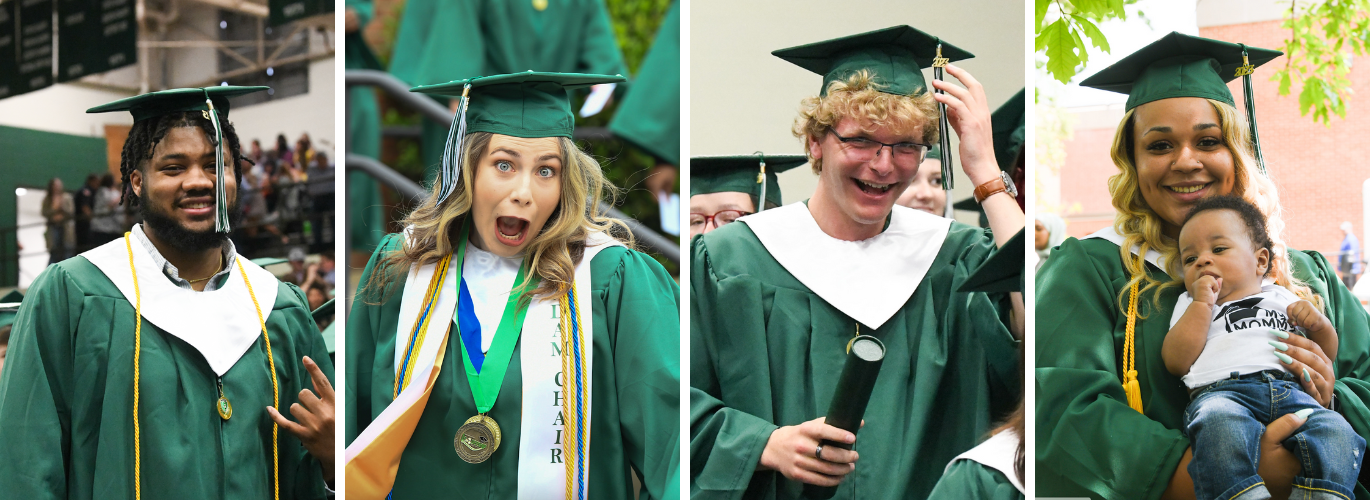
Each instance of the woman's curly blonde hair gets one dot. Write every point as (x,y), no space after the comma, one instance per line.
(434,227)
(858,96)
(1141,227)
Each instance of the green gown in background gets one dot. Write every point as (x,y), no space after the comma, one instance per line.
(444,40)
(971,480)
(650,114)
(366,217)
(66,400)
(766,351)
(635,401)
(1089,442)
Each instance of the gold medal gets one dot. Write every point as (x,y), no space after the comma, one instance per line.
(477,439)
(540,5)
(225,409)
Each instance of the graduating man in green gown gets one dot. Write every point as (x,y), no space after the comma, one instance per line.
(446,396)
(153,366)
(776,298)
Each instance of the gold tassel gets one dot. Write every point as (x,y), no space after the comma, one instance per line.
(1130,384)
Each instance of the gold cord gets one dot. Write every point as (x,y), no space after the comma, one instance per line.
(137,349)
(275,389)
(1131,386)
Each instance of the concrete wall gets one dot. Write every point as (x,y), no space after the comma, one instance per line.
(743,99)
(311,112)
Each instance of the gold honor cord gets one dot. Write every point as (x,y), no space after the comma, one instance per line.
(137,350)
(571,441)
(420,329)
(1131,386)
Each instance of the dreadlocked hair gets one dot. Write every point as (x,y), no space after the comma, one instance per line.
(145,135)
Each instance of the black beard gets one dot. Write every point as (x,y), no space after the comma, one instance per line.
(171,232)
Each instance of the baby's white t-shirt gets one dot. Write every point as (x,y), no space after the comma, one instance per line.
(1239,334)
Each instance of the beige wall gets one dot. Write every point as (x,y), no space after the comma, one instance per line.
(743,99)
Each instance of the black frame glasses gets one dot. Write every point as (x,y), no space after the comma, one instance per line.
(863,143)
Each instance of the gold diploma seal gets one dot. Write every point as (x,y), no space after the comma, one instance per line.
(225,409)
(477,439)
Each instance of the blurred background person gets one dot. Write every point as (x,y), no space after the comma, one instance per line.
(59,210)
(1349,256)
(107,223)
(926,192)
(1050,232)
(85,209)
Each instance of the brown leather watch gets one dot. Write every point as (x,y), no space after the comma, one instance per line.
(1003,184)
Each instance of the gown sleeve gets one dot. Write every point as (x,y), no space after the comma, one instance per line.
(1088,438)
(725,443)
(642,314)
(35,414)
(428,33)
(1352,366)
(363,322)
(310,342)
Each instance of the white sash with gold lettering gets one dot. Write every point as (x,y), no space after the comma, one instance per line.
(542,467)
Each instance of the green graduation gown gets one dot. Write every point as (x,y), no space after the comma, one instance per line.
(366,217)
(650,114)
(66,400)
(444,40)
(766,351)
(635,399)
(1089,442)
(971,480)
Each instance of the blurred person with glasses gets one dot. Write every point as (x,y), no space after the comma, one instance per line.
(725,188)
(777,299)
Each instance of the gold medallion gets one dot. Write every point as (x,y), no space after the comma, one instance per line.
(477,439)
(225,409)
(540,5)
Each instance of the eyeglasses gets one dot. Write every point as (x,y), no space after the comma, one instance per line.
(864,149)
(723,217)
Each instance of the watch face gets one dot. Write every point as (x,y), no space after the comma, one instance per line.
(1008,184)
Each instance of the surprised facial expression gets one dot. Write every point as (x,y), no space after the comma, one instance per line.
(517,188)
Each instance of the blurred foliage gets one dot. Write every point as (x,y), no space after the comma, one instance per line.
(1324,37)
(1060,32)
(635,24)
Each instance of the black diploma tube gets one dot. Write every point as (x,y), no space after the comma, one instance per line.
(850,397)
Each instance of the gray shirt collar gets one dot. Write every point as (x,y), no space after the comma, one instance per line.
(215,282)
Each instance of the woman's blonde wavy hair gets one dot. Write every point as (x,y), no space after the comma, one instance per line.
(858,96)
(1140,226)
(434,227)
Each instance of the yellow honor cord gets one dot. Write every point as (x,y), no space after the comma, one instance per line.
(137,349)
(421,324)
(1131,386)
(572,412)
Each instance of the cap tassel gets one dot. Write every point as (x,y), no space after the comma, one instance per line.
(450,175)
(1245,72)
(220,195)
(944,132)
(761,179)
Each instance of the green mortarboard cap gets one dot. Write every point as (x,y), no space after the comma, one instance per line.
(934,154)
(529,104)
(1180,65)
(165,102)
(325,311)
(1009,131)
(894,57)
(1002,271)
(9,307)
(742,174)
(269,261)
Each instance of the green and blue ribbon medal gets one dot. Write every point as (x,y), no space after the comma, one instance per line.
(479,437)
(220,194)
(944,132)
(1245,71)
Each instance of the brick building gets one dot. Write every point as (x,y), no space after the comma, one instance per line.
(1321,170)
